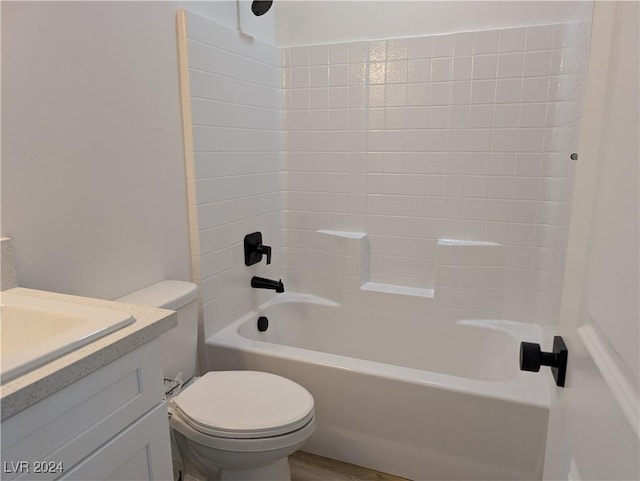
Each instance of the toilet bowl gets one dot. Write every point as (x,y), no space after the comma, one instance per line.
(242,423)
(228,425)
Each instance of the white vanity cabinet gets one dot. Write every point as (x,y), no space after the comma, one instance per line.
(111,424)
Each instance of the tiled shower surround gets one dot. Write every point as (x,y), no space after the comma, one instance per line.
(398,150)
(464,136)
(234,165)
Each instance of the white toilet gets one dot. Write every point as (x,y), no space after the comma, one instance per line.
(229,425)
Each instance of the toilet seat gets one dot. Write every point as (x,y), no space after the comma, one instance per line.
(243,445)
(244,405)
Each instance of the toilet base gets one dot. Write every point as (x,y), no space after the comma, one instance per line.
(210,464)
(275,471)
(237,459)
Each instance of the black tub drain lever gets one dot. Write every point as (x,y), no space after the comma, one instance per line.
(531,358)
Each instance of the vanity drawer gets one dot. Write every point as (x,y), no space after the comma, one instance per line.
(69,425)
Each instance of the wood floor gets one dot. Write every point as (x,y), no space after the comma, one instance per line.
(309,467)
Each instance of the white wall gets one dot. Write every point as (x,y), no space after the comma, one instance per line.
(236,15)
(614,252)
(93,191)
(317,22)
(594,422)
(93,184)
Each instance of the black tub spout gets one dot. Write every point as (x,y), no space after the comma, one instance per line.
(262,283)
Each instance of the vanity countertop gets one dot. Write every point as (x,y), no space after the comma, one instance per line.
(26,390)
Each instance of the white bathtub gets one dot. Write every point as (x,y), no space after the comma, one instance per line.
(419,398)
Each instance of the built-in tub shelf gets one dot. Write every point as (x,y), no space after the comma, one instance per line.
(465,243)
(344,234)
(396,289)
(466,271)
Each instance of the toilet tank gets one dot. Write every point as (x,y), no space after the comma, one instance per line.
(179,345)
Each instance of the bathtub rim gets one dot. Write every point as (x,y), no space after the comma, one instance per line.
(530,389)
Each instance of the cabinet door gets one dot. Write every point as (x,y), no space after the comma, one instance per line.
(141,452)
(66,427)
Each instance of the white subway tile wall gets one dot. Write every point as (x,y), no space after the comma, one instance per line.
(463,136)
(236,182)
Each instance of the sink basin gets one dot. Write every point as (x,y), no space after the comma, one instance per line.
(35,331)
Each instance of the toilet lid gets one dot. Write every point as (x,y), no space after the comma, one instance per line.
(244,404)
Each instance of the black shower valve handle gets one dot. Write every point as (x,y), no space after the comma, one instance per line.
(266,250)
(254,249)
